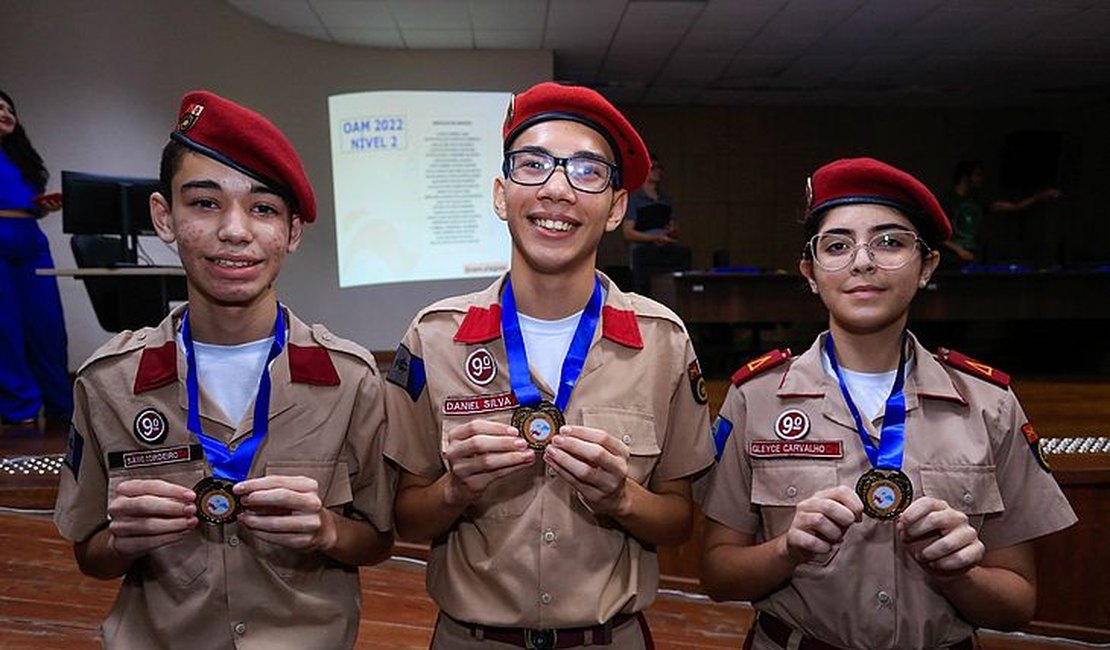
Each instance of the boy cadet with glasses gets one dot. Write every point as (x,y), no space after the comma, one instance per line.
(227,463)
(872,494)
(548,427)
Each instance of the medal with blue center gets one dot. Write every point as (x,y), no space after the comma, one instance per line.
(216,503)
(885,490)
(537,419)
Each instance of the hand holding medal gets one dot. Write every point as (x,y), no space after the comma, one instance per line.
(145,514)
(940,538)
(595,464)
(479,452)
(287,511)
(820,523)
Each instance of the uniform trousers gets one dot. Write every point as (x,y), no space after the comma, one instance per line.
(33,357)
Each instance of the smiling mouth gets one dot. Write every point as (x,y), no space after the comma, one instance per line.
(553,224)
(233,264)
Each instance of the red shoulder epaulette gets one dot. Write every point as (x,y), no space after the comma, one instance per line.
(972,367)
(760,365)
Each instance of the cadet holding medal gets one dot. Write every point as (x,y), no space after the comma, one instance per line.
(548,427)
(227,463)
(936,538)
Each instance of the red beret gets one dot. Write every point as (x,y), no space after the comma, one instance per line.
(244,140)
(552,101)
(866,180)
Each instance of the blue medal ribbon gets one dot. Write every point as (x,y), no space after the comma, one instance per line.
(228,464)
(519,376)
(892,437)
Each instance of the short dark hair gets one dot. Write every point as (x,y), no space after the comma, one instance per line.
(966,168)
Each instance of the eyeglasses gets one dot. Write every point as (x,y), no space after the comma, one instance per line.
(889,251)
(535,167)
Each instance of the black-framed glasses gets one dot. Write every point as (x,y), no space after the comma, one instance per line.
(535,166)
(890,250)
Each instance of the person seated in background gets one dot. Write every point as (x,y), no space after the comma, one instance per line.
(228,462)
(34,374)
(967,205)
(652,233)
(868,493)
(548,427)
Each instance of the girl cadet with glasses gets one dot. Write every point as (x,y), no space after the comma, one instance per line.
(869,493)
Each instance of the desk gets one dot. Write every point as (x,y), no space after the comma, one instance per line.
(707,297)
(129,297)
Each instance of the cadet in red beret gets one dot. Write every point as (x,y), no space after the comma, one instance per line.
(547,428)
(870,493)
(227,463)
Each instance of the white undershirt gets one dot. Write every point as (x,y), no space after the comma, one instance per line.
(869,390)
(230,373)
(547,342)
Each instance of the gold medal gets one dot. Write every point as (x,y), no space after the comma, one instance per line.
(885,493)
(538,424)
(216,503)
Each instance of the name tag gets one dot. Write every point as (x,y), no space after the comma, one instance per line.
(474,404)
(153,458)
(796,449)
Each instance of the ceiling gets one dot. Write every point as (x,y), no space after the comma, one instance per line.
(898,52)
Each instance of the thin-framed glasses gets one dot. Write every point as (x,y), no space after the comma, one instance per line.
(890,250)
(534,166)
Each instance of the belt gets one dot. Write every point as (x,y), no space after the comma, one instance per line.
(780,632)
(566,637)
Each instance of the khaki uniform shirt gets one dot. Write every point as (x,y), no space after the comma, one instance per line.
(220,589)
(529,553)
(963,445)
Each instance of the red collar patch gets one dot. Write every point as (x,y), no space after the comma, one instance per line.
(620,326)
(759,365)
(483,324)
(480,325)
(311,365)
(157,368)
(972,367)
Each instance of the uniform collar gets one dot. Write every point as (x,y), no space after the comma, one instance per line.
(806,377)
(308,362)
(618,318)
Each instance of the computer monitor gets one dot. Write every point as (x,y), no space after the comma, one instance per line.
(93,204)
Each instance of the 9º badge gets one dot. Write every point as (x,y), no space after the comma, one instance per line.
(216,503)
(538,424)
(885,493)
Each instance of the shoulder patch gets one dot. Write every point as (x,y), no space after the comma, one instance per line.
(979,369)
(480,325)
(620,326)
(722,427)
(697,382)
(1035,446)
(157,368)
(759,365)
(407,372)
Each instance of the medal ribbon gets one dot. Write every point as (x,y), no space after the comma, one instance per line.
(228,464)
(519,376)
(892,437)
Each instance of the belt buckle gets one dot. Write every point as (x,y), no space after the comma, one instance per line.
(540,639)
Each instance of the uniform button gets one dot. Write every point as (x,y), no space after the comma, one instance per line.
(968,498)
(883,597)
(550,473)
(626,439)
(546,598)
(233,540)
(791,491)
(240,628)
(326,336)
(140,335)
(548,536)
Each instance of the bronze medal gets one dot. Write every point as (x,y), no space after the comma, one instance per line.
(538,424)
(216,503)
(885,493)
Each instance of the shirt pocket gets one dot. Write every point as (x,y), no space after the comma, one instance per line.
(334,488)
(971,489)
(182,563)
(778,486)
(635,429)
